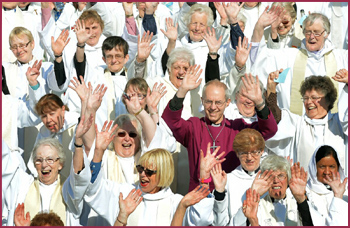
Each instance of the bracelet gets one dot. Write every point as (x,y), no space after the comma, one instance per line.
(124,224)
(80,146)
(130,15)
(234,24)
(57,56)
(205,181)
(260,105)
(81,46)
(138,112)
(212,53)
(153,113)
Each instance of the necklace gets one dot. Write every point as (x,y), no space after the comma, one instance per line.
(214,147)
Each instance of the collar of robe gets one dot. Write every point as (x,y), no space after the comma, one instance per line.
(122,73)
(191,41)
(251,173)
(273,199)
(213,124)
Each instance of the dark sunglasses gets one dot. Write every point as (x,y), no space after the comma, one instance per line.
(148,172)
(123,134)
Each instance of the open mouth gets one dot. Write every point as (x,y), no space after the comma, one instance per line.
(276,188)
(127,145)
(45,172)
(310,108)
(144,183)
(180,78)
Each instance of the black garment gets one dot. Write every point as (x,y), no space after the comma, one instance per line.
(212,70)
(219,196)
(304,212)
(59,73)
(165,58)
(212,7)
(79,66)
(235,32)
(5,89)
(149,24)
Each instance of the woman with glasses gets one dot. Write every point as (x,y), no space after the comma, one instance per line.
(327,189)
(298,136)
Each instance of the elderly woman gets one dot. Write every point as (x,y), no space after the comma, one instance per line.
(317,126)
(285,203)
(285,31)
(248,146)
(327,190)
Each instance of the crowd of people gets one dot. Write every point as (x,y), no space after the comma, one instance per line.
(174,113)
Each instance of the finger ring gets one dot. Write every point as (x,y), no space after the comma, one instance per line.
(244,207)
(217,158)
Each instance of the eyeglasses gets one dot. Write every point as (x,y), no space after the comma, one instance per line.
(21,46)
(308,33)
(117,57)
(217,103)
(195,24)
(281,176)
(123,134)
(141,96)
(313,99)
(148,172)
(253,153)
(48,160)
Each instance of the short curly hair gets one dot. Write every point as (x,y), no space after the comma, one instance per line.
(44,219)
(92,16)
(321,84)
(247,140)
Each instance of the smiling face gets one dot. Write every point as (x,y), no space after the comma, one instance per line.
(250,162)
(95,29)
(279,185)
(197,26)
(125,145)
(149,184)
(245,106)
(317,106)
(177,72)
(327,166)
(24,54)
(285,26)
(47,174)
(214,94)
(133,91)
(115,59)
(51,119)
(315,43)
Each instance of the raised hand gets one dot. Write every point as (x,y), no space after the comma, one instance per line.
(171,31)
(105,137)
(61,42)
(80,87)
(143,46)
(190,80)
(242,52)
(19,218)
(153,98)
(208,161)
(220,8)
(263,182)
(251,89)
(133,105)
(337,186)
(210,37)
(127,6)
(219,177)
(33,73)
(275,24)
(95,98)
(129,204)
(151,7)
(83,126)
(271,84)
(82,34)
(194,196)
(297,183)
(250,206)
(232,9)
(341,76)
(267,18)
(60,122)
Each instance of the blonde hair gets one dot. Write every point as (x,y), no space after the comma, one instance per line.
(162,161)
(93,16)
(20,31)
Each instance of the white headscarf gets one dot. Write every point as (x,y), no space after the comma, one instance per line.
(312,182)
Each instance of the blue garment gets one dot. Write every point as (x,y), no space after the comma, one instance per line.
(149,24)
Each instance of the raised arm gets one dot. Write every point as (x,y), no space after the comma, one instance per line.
(271,95)
(127,206)
(190,81)
(262,181)
(153,98)
(171,34)
(82,36)
(250,206)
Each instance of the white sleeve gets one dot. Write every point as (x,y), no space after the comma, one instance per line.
(221,214)
(338,213)
(162,139)
(182,29)
(200,214)
(343,109)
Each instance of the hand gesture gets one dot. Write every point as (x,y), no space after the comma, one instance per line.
(171,31)
(194,196)
(297,183)
(263,182)
(153,98)
(208,162)
(190,80)
(267,18)
(143,46)
(19,218)
(271,84)
(219,177)
(276,23)
(95,98)
(133,105)
(127,6)
(232,9)
(129,204)
(210,37)
(341,76)
(106,136)
(80,87)
(82,34)
(250,206)
(60,122)
(83,126)
(242,52)
(220,8)
(251,88)
(61,42)
(337,186)
(33,73)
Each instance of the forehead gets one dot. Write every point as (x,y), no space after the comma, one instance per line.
(128,126)
(92,23)
(199,17)
(46,151)
(214,91)
(114,51)
(182,63)
(328,160)
(278,172)
(19,39)
(314,92)
(317,25)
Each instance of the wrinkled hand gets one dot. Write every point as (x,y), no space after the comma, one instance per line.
(194,196)
(297,183)
(130,203)
(95,98)
(106,136)
(251,205)
(144,46)
(232,9)
(251,88)
(341,76)
(220,8)
(337,186)
(82,34)
(271,84)
(208,161)
(267,18)
(191,79)
(263,182)
(33,73)
(242,52)
(80,88)
(154,97)
(61,42)
(219,177)
(84,126)
(210,37)
(276,23)
(171,31)
(127,6)
(133,105)
(19,218)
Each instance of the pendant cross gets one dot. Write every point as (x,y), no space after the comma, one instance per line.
(213,147)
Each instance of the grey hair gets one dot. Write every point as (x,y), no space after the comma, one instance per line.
(180,54)
(241,17)
(275,162)
(318,16)
(217,83)
(240,85)
(288,7)
(54,144)
(199,8)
